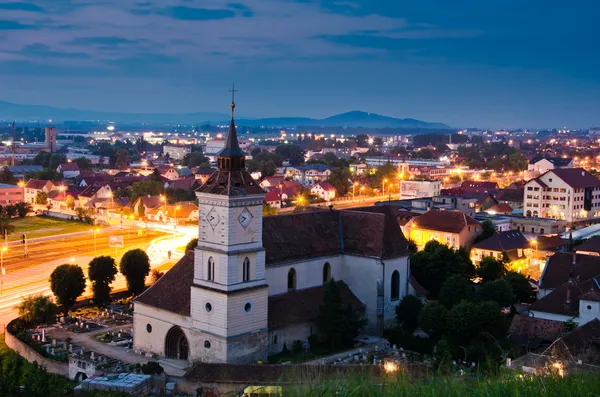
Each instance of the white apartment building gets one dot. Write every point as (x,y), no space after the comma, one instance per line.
(419,189)
(571,194)
(177,152)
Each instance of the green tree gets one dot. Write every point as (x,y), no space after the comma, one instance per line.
(11,211)
(569,325)
(83,163)
(291,152)
(338,323)
(46,174)
(42,158)
(56,160)
(269,169)
(23,209)
(517,162)
(147,188)
(70,202)
(67,283)
(194,159)
(156,176)
(122,160)
(498,291)
(436,262)
(432,319)
(521,287)
(41,198)
(84,215)
(5,224)
(425,154)
(101,272)
(407,313)
(37,309)
(490,269)
(340,180)
(152,368)
(442,356)
(135,266)
(487,230)
(468,320)
(7,177)
(269,210)
(455,289)
(191,245)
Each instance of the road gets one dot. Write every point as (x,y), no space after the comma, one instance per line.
(29,276)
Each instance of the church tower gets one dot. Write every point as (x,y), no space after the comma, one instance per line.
(229,294)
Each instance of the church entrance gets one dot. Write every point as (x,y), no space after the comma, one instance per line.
(176,344)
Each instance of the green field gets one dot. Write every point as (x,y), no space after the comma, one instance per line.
(41,226)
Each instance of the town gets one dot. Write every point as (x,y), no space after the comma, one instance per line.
(235,247)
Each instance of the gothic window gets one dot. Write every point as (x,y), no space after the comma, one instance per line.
(246,270)
(395,285)
(326,272)
(211,269)
(292,280)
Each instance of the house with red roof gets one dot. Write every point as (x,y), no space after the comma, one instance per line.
(324,190)
(68,170)
(453,228)
(35,186)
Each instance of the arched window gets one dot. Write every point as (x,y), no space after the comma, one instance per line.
(535,214)
(326,272)
(528,213)
(395,285)
(246,270)
(210,276)
(292,280)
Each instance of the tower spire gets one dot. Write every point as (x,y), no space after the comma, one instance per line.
(232,157)
(233,91)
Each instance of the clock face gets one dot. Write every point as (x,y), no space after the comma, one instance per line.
(213,218)
(245,218)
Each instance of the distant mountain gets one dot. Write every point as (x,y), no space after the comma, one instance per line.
(11,111)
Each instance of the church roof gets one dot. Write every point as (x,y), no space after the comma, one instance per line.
(172,292)
(370,231)
(231,183)
(302,306)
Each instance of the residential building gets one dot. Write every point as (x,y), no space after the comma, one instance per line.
(528,225)
(174,213)
(274,198)
(541,165)
(501,208)
(177,152)
(511,244)
(571,194)
(562,266)
(324,191)
(512,197)
(61,199)
(271,181)
(419,189)
(68,170)
(19,171)
(35,186)
(143,204)
(308,175)
(11,194)
(452,228)
(202,174)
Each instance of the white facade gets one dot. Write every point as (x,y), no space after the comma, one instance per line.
(419,189)
(177,152)
(556,199)
(326,194)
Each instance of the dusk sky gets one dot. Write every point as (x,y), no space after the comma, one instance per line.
(490,63)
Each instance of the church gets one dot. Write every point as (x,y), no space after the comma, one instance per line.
(254,284)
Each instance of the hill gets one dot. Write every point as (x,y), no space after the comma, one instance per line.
(11,111)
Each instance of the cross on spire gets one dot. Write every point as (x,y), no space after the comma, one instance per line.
(233,91)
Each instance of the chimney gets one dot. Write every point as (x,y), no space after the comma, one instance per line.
(569,288)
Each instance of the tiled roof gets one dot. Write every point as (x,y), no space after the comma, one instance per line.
(550,243)
(514,195)
(559,265)
(538,181)
(273,195)
(478,185)
(183,171)
(501,208)
(327,186)
(444,221)
(231,183)
(91,190)
(592,245)
(150,201)
(205,171)
(302,306)
(526,328)
(504,241)
(372,231)
(579,340)
(577,178)
(172,292)
(36,184)
(185,184)
(556,301)
(69,167)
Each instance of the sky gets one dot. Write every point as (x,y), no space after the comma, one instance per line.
(466,63)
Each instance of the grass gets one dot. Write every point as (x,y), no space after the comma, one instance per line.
(507,385)
(41,226)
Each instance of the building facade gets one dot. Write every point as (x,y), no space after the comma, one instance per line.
(419,189)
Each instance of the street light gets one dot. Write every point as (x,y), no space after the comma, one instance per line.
(176,208)
(94,232)
(131,218)
(2,271)
(383,186)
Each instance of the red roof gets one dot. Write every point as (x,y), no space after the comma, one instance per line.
(69,167)
(444,221)
(273,195)
(36,184)
(577,178)
(502,208)
(327,186)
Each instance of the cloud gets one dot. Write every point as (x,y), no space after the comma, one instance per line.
(13,25)
(39,50)
(197,14)
(21,7)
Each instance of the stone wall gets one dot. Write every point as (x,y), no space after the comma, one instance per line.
(29,354)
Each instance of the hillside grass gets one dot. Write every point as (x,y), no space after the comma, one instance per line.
(507,385)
